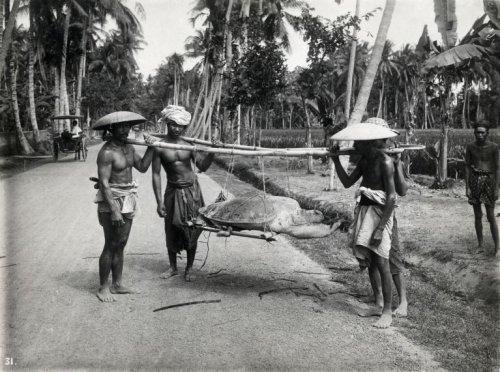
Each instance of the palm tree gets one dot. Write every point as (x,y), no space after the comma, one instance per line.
(97,12)
(352,59)
(18,43)
(371,71)
(116,56)
(387,68)
(7,34)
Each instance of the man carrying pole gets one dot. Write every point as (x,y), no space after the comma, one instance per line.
(371,230)
(117,197)
(182,197)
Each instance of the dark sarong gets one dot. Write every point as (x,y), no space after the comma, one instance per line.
(182,202)
(482,187)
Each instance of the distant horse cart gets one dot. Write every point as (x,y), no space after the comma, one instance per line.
(64,142)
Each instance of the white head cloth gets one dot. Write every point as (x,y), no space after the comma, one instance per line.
(177,114)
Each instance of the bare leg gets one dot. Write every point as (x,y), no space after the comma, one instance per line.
(399,282)
(104,293)
(376,284)
(171,238)
(117,261)
(172,258)
(191,253)
(385,319)
(478,215)
(490,214)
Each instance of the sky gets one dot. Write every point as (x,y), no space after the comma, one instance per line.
(166,26)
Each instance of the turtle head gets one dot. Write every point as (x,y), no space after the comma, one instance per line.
(306,217)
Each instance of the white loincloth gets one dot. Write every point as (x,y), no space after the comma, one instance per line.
(123,194)
(365,222)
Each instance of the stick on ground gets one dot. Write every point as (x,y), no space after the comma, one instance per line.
(187,304)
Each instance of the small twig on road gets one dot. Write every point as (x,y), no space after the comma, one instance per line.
(9,265)
(187,304)
(310,273)
(319,289)
(261,294)
(216,272)
(3,256)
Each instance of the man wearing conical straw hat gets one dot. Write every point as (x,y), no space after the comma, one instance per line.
(371,230)
(117,196)
(182,198)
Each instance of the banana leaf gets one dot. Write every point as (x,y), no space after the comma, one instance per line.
(456,55)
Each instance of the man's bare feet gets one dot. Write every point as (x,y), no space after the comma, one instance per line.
(168,274)
(384,321)
(401,310)
(373,311)
(188,276)
(379,301)
(480,248)
(104,294)
(117,288)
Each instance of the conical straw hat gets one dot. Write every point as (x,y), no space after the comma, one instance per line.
(364,132)
(118,118)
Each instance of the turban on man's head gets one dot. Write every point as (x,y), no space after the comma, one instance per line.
(178,114)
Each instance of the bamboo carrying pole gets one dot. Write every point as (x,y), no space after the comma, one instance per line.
(313,151)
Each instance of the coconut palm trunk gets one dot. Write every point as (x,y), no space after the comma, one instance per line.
(63,91)
(350,72)
(81,69)
(26,149)
(31,95)
(371,70)
(7,34)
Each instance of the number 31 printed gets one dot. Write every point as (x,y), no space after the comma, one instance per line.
(9,361)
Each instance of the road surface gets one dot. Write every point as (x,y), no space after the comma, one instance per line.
(51,241)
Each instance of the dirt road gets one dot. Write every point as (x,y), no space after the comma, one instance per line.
(51,239)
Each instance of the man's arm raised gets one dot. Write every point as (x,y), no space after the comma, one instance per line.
(142,164)
(347,180)
(104,168)
(157,184)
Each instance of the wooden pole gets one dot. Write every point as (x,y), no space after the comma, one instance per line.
(313,151)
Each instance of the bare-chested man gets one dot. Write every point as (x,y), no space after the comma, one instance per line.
(371,231)
(117,201)
(182,197)
(482,176)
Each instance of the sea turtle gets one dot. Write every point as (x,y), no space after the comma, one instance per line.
(259,211)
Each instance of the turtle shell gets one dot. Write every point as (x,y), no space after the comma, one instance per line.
(249,211)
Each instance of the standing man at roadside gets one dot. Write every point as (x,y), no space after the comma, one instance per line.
(182,197)
(117,197)
(482,181)
(371,230)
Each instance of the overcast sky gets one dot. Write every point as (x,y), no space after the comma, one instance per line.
(166,25)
